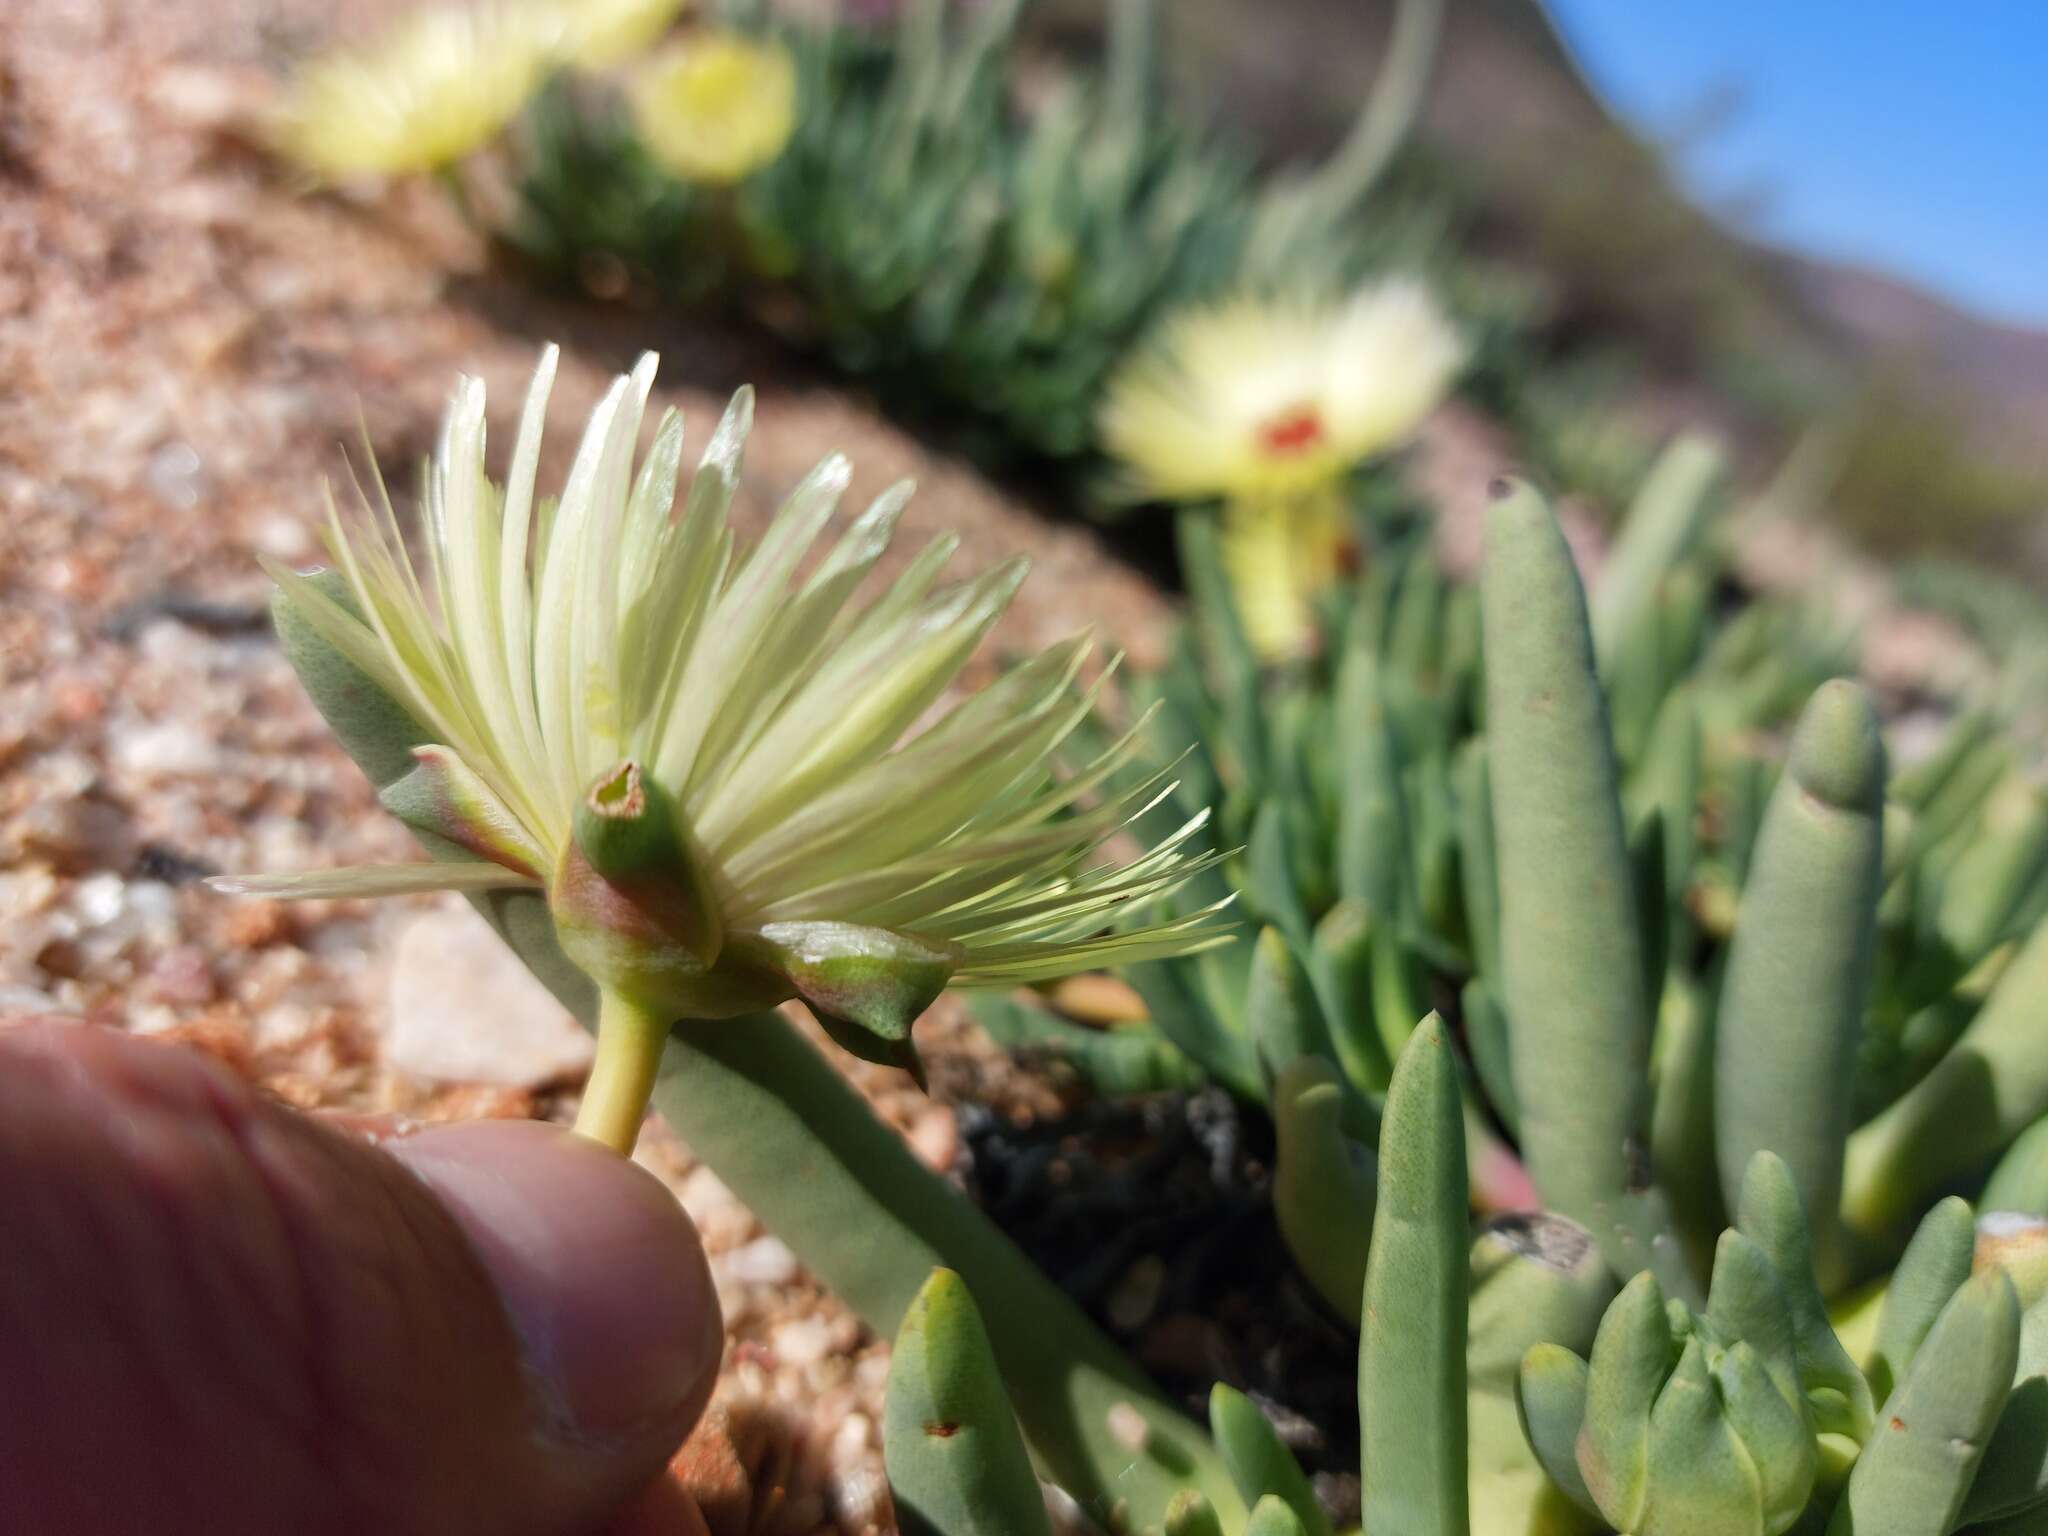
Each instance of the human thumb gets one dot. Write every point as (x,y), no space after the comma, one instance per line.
(218,1315)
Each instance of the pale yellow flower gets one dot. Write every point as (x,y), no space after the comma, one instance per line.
(1268,405)
(725,765)
(1256,397)
(596,34)
(440,85)
(717,107)
(1276,552)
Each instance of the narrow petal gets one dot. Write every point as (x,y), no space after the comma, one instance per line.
(370,880)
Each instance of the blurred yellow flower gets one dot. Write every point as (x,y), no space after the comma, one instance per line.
(717,107)
(1277,551)
(595,34)
(1267,405)
(438,86)
(1257,397)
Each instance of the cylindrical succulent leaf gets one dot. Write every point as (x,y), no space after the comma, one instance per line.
(1285,1022)
(1990,1086)
(1536,1279)
(1571,954)
(1341,967)
(1682,1117)
(1273,1516)
(1374,860)
(1411,1357)
(1914,786)
(1913,1476)
(1259,1463)
(1698,1475)
(1770,1215)
(1774,1432)
(1478,865)
(1189,1514)
(1792,999)
(1633,1355)
(1325,1185)
(1486,1036)
(1746,1302)
(1664,523)
(1550,1397)
(2020,1181)
(1931,1270)
(1984,889)
(956,1461)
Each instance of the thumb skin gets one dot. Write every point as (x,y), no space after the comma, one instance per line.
(220,1316)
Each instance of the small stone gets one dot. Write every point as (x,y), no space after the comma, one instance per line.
(182,976)
(935,1138)
(20,1002)
(98,899)
(464,1009)
(253,924)
(721,1220)
(764,1261)
(803,1342)
(171,748)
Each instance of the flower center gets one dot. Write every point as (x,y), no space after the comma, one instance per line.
(1294,431)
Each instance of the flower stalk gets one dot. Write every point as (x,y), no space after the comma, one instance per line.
(629,1044)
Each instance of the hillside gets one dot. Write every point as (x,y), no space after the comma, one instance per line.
(1759,341)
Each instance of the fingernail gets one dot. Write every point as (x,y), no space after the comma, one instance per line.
(598,1266)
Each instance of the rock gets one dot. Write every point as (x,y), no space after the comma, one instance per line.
(463,1009)
(166,749)
(935,1138)
(804,1341)
(764,1261)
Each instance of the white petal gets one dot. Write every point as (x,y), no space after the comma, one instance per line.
(370,880)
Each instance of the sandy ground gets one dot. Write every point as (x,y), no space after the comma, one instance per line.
(186,342)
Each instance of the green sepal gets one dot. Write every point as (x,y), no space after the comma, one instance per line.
(863,1045)
(873,979)
(443,797)
(378,732)
(629,834)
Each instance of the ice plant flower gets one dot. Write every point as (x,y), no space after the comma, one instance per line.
(1267,404)
(596,34)
(438,86)
(714,769)
(717,107)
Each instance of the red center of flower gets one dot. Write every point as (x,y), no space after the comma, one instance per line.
(1293,431)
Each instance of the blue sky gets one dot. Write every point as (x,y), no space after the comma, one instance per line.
(1909,137)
